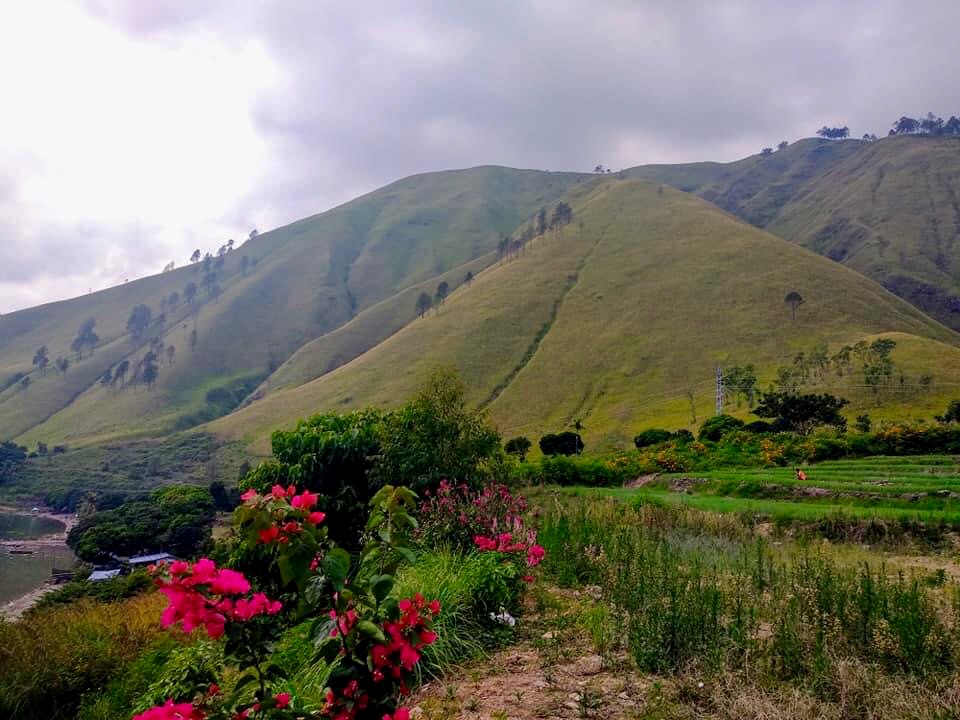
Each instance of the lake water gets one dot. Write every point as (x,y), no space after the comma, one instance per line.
(20,574)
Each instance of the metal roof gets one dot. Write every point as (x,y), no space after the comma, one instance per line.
(98,575)
(154,558)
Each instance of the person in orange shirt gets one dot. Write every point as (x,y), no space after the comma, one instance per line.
(801,475)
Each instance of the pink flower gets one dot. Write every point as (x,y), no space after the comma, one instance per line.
(278,492)
(249,495)
(315,518)
(171,711)
(229,582)
(535,555)
(282,700)
(304,501)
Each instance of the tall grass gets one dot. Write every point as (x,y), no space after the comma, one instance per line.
(681,594)
(50,658)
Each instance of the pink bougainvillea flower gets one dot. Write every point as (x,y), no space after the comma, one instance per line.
(315,518)
(282,700)
(249,495)
(171,711)
(304,501)
(278,492)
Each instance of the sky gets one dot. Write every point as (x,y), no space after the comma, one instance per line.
(134,132)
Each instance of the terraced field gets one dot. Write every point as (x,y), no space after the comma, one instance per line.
(912,489)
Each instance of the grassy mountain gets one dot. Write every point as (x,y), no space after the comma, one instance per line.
(623,317)
(889,209)
(298,283)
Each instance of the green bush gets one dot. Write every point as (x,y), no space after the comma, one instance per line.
(565,443)
(653,436)
(717,426)
(118,588)
(565,470)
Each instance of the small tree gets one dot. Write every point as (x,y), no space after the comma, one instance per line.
(190,292)
(139,321)
(443,289)
(25,383)
(793,300)
(518,446)
(716,427)
(171,352)
(468,278)
(863,423)
(86,338)
(565,443)
(801,413)
(782,145)
(195,257)
(952,413)
(424,303)
(653,436)
(120,374)
(41,359)
(62,364)
(766,151)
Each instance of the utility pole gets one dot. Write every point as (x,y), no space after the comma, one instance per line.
(719,391)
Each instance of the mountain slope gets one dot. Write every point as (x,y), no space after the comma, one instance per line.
(889,209)
(299,283)
(646,292)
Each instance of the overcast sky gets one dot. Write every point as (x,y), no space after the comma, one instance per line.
(133,132)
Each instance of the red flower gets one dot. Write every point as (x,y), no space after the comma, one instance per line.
(315,518)
(282,700)
(270,534)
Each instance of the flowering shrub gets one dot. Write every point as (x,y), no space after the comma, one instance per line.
(454,515)
(370,641)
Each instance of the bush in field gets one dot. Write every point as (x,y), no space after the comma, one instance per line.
(653,436)
(454,515)
(435,437)
(518,446)
(951,414)
(567,470)
(332,455)
(372,642)
(717,426)
(802,413)
(565,443)
(683,436)
(759,427)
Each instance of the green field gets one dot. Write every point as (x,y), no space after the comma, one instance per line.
(924,489)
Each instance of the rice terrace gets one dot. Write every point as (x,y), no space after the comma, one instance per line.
(480,361)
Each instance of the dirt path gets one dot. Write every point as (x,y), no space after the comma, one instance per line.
(524,682)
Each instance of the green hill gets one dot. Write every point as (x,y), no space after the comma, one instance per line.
(298,283)
(889,209)
(621,319)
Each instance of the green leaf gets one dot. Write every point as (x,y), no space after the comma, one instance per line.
(371,631)
(380,586)
(336,566)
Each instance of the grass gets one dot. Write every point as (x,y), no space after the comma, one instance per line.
(304,280)
(921,490)
(685,595)
(643,261)
(51,658)
(880,208)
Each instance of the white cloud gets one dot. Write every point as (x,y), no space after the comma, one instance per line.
(104,130)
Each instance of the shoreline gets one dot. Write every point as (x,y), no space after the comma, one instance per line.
(14,609)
